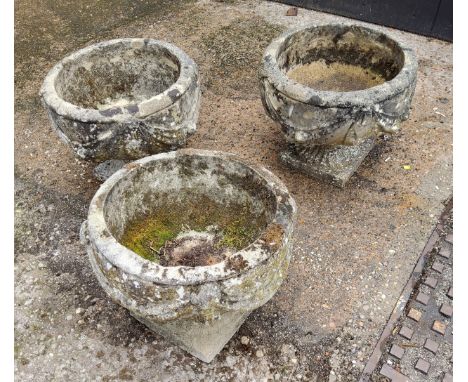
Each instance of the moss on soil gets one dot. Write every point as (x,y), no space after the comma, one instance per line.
(235,225)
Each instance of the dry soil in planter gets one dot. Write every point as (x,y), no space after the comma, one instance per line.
(335,76)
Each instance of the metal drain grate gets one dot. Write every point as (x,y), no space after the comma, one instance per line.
(416,344)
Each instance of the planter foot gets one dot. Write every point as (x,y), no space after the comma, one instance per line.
(202,340)
(106,169)
(334,165)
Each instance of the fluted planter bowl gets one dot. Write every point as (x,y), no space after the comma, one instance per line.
(123,99)
(336,85)
(326,117)
(220,249)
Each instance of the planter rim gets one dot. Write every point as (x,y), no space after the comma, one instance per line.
(128,261)
(112,114)
(359,98)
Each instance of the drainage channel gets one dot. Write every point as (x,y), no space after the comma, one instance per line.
(416,344)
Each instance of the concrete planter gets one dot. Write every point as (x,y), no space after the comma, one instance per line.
(200,307)
(123,99)
(332,129)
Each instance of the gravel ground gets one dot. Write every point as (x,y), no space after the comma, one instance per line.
(354,248)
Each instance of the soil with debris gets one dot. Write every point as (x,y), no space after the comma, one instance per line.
(219,230)
(335,76)
(193,251)
(353,248)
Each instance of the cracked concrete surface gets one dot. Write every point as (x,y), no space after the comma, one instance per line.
(353,249)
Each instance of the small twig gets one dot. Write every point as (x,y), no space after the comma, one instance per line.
(410,345)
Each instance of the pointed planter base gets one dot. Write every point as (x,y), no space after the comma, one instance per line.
(202,340)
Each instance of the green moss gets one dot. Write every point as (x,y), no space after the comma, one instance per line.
(236,225)
(148,236)
(237,234)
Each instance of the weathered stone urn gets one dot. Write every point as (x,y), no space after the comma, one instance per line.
(334,89)
(123,99)
(226,230)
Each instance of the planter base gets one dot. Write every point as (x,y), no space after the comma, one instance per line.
(202,340)
(334,165)
(105,169)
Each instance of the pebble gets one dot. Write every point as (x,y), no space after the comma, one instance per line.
(245,340)
(230,361)
(69,317)
(80,311)
(288,350)
(259,353)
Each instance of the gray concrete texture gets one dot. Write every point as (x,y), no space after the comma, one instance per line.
(352,252)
